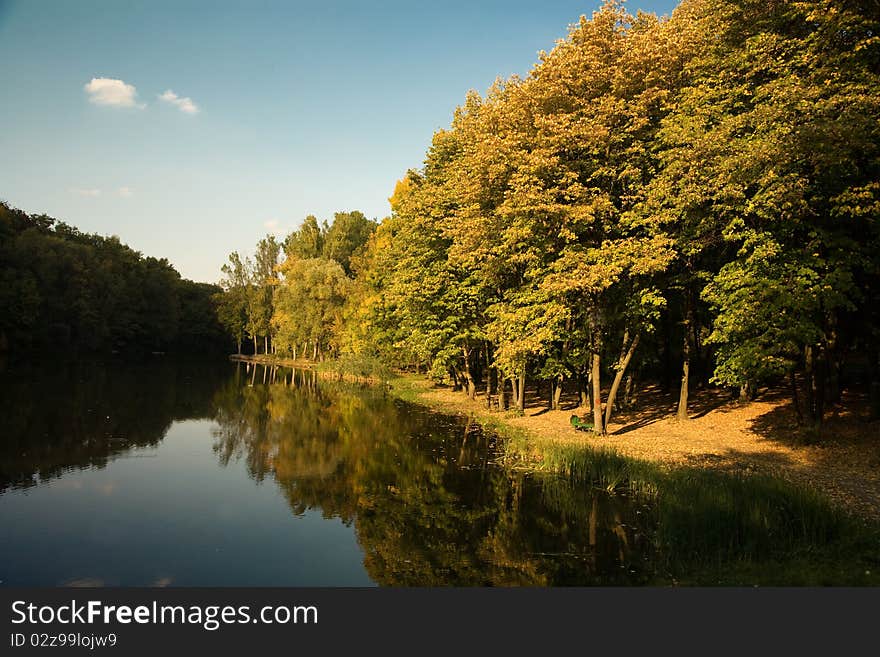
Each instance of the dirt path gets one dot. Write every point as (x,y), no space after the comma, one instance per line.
(758,437)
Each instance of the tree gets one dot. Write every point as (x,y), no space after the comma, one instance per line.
(260,298)
(307,241)
(773,150)
(232,304)
(308,305)
(347,234)
(61,289)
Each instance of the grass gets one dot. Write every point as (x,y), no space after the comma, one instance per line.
(714,527)
(710,527)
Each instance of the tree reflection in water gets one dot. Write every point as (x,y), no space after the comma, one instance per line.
(429,503)
(63,416)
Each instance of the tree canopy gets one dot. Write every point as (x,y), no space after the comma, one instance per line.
(693,198)
(61,289)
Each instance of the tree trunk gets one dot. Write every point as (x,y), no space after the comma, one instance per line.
(266,344)
(468,375)
(596,375)
(628,390)
(491,376)
(238,342)
(682,414)
(832,364)
(794,397)
(502,393)
(477,366)
(819,386)
(556,395)
(456,383)
(808,372)
(618,377)
(583,391)
(256,351)
(521,395)
(815,367)
(696,354)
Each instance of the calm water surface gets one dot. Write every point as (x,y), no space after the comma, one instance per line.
(187,474)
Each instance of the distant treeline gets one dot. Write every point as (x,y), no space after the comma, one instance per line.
(694,198)
(61,289)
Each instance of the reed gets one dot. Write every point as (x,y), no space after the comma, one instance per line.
(714,526)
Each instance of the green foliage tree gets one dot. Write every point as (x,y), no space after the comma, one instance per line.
(61,289)
(232,302)
(307,241)
(260,299)
(707,182)
(772,153)
(347,234)
(308,306)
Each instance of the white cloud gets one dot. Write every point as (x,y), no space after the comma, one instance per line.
(125,192)
(274,226)
(111,92)
(185,105)
(85,193)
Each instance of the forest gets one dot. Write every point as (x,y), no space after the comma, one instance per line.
(692,199)
(64,291)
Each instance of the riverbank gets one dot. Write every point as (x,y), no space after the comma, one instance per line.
(708,513)
(723,435)
(732,505)
(331,369)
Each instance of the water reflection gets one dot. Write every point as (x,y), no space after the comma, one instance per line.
(288,479)
(428,501)
(65,416)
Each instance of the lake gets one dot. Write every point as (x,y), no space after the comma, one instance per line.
(193,473)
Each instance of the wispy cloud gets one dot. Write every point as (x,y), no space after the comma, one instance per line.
(274,226)
(85,193)
(112,93)
(125,192)
(185,105)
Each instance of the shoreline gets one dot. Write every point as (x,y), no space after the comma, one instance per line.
(723,436)
(729,438)
(819,536)
(765,525)
(324,370)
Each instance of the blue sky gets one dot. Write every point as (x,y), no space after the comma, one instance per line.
(277,109)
